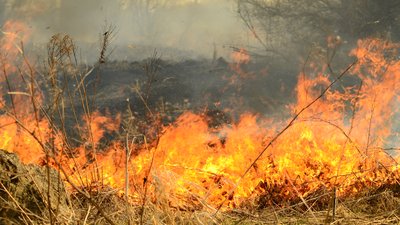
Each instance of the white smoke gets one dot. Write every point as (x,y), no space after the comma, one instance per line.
(192,26)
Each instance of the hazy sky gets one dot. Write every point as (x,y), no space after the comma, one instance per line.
(193,26)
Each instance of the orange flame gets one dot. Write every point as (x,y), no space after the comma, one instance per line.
(13,34)
(15,138)
(241,56)
(335,143)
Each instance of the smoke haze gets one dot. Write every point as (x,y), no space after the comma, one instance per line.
(190,28)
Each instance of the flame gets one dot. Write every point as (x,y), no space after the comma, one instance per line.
(238,76)
(335,143)
(99,124)
(14,138)
(13,34)
(240,56)
(321,151)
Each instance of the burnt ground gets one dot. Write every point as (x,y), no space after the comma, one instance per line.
(194,85)
(220,90)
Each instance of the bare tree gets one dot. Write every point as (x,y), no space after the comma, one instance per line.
(287,24)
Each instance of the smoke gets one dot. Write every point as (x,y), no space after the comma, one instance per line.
(192,28)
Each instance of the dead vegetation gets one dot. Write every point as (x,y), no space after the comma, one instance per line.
(97,203)
(23,198)
(40,195)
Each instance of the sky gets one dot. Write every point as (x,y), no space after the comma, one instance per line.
(194,28)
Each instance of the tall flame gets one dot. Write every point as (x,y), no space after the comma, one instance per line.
(13,137)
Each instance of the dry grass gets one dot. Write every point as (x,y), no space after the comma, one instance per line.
(368,208)
(104,205)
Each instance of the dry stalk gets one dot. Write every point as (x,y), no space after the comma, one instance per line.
(301,197)
(151,69)
(354,108)
(127,156)
(61,56)
(26,214)
(59,165)
(291,122)
(9,88)
(107,36)
(32,93)
(145,181)
(370,127)
(87,215)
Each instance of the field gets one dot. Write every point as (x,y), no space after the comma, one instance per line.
(221,141)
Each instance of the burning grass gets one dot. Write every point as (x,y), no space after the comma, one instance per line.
(327,163)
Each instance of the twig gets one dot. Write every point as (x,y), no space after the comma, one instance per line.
(370,126)
(144,101)
(301,197)
(59,165)
(87,215)
(354,108)
(107,36)
(146,179)
(9,88)
(127,156)
(15,201)
(32,92)
(334,204)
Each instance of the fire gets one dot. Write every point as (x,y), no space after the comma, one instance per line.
(335,143)
(323,150)
(99,124)
(13,34)
(240,56)
(14,138)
